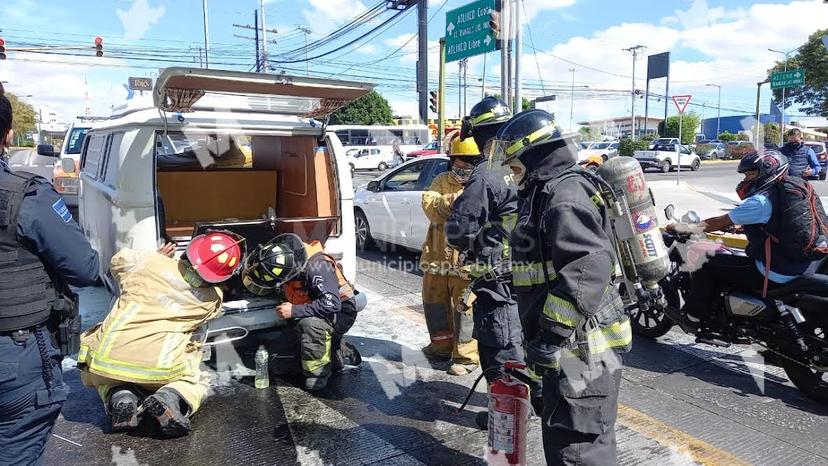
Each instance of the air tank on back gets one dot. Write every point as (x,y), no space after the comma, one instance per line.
(643,254)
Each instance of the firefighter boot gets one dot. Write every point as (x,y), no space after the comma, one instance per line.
(316,383)
(165,406)
(123,410)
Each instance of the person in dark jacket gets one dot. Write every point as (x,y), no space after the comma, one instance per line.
(320,303)
(802,161)
(573,317)
(479,225)
(42,251)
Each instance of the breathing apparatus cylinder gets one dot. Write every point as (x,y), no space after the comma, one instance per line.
(643,255)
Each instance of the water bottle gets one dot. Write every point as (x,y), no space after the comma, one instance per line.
(262,377)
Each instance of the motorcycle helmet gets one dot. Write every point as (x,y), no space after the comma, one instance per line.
(215,256)
(771,166)
(484,119)
(274,263)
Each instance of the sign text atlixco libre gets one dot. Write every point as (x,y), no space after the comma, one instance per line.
(790,78)
(468,32)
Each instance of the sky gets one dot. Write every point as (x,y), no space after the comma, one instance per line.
(711,42)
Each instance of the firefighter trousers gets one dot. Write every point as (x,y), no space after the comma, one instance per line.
(319,339)
(496,327)
(191,388)
(451,331)
(580,409)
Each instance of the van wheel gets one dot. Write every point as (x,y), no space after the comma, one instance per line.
(364,241)
(665,166)
(695,165)
(382,166)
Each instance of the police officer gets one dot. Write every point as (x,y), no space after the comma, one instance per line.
(563,261)
(42,250)
(481,221)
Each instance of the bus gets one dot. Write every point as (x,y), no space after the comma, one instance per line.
(399,140)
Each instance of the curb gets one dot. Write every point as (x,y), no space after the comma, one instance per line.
(717,162)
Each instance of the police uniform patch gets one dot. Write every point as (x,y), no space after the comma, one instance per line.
(63,212)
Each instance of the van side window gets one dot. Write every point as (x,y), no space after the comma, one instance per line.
(94,154)
(110,173)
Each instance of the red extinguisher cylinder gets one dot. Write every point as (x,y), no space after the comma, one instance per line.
(509,410)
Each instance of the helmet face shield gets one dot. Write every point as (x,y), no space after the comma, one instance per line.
(495,153)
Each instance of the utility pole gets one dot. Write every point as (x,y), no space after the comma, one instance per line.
(758,123)
(256,25)
(261,64)
(483,87)
(634,50)
(441,94)
(504,52)
(265,59)
(307,32)
(571,98)
(718,111)
(460,89)
(422,61)
(518,52)
(206,36)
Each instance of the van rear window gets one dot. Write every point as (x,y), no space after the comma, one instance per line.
(207,151)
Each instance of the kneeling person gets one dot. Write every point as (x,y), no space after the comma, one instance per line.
(320,304)
(142,358)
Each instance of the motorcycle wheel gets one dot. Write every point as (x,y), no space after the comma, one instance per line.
(650,323)
(813,383)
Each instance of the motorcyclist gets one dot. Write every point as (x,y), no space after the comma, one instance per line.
(320,303)
(563,261)
(758,214)
(480,223)
(144,359)
(445,277)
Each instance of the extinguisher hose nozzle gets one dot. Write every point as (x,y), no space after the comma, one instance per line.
(474,387)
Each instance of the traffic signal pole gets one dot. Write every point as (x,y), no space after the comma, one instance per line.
(441,100)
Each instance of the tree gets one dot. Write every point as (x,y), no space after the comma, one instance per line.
(370,109)
(526,104)
(742,137)
(727,137)
(589,133)
(689,122)
(24,116)
(812,58)
(627,146)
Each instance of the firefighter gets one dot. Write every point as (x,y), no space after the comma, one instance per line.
(481,220)
(574,319)
(321,304)
(42,251)
(143,359)
(445,279)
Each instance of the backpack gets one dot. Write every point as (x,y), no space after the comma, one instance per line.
(802,223)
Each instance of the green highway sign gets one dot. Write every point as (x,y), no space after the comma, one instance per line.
(790,78)
(468,32)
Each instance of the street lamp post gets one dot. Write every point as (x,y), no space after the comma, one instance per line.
(758,122)
(785,54)
(571,98)
(718,110)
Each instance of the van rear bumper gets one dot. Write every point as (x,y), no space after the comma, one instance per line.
(258,316)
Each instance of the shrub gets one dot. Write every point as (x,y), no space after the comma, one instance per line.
(627,146)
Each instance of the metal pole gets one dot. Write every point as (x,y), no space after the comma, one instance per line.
(256,24)
(265,58)
(647,100)
(782,128)
(460,89)
(465,84)
(758,95)
(571,98)
(510,61)
(678,150)
(632,94)
(666,96)
(307,62)
(422,61)
(719,113)
(504,52)
(206,36)
(518,53)
(483,88)
(441,93)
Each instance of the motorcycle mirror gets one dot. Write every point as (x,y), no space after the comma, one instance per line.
(669,211)
(690,217)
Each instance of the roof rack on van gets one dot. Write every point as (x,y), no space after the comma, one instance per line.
(181,89)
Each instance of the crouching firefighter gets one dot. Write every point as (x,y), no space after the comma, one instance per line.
(42,250)
(481,221)
(321,304)
(563,261)
(144,358)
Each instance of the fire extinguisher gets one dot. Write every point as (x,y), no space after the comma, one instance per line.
(509,410)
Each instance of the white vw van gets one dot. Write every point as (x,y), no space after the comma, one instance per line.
(217,149)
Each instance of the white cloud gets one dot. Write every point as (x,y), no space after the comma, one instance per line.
(325,15)
(367,49)
(568,17)
(139,18)
(534,7)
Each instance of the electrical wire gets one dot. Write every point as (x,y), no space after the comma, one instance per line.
(532,40)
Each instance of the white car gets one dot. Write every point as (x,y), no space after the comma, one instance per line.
(663,142)
(389,209)
(370,158)
(666,158)
(604,150)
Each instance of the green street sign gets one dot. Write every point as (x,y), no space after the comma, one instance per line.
(468,32)
(790,78)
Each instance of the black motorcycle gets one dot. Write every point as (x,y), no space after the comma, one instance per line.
(790,323)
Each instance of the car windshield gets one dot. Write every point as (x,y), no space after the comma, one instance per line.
(75,142)
(585,145)
(599,146)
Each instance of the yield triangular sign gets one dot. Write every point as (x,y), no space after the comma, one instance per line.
(681,102)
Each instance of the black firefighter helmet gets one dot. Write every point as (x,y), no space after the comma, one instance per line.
(274,263)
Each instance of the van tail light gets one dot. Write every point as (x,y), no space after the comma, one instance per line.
(823,156)
(67,184)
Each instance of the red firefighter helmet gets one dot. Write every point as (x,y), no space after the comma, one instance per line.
(215,256)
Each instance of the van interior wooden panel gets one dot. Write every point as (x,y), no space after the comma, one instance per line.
(215,195)
(309,229)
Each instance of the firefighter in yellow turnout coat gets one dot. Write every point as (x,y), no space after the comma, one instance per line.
(142,358)
(445,279)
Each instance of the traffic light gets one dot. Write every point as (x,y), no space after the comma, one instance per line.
(432,101)
(2,49)
(98,46)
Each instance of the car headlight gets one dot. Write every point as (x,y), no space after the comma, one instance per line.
(67,185)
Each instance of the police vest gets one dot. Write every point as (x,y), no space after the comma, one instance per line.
(27,293)
(297,293)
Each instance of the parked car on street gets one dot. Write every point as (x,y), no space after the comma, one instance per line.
(822,156)
(597,153)
(371,158)
(710,151)
(388,210)
(432,148)
(665,158)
